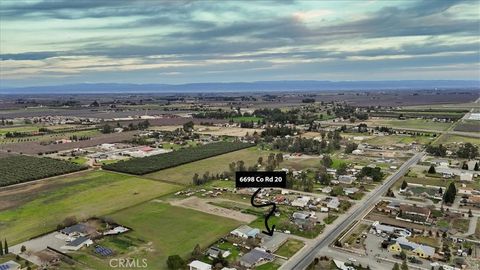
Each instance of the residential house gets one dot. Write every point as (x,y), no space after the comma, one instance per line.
(78,243)
(245,231)
(341,265)
(116,230)
(346,179)
(198,265)
(256,257)
(303,219)
(465,176)
(350,191)
(473,200)
(213,252)
(333,203)
(387,229)
(301,201)
(274,242)
(402,244)
(76,230)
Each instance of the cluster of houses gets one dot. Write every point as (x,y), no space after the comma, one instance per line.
(406,212)
(448,170)
(257,254)
(398,242)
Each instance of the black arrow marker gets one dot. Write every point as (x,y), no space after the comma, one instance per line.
(269,231)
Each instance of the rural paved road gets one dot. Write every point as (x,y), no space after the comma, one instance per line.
(305,256)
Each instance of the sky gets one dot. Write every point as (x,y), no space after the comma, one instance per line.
(175,42)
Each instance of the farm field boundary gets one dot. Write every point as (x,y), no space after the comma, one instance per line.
(140,166)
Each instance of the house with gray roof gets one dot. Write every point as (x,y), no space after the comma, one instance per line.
(256,257)
(76,230)
(78,243)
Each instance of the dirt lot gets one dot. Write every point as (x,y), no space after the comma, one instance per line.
(204,206)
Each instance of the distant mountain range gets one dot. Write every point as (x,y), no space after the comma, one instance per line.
(260,86)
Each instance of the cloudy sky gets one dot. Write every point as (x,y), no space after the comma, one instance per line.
(58,42)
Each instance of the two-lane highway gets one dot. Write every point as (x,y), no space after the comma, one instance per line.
(303,258)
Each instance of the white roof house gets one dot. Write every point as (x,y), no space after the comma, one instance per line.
(245,231)
(334,203)
(464,176)
(390,229)
(301,202)
(198,265)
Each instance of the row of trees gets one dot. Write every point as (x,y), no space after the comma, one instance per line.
(272,162)
(467,150)
(307,145)
(158,162)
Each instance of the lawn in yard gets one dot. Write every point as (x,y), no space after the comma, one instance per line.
(28,212)
(183,174)
(300,163)
(268,266)
(79,160)
(169,230)
(290,248)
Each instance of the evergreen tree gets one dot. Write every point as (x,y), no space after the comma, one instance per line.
(5,247)
(1,248)
(404,265)
(197,252)
(404,184)
(175,262)
(450,193)
(476,168)
(396,267)
(431,170)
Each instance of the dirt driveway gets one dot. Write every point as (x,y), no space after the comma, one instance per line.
(204,206)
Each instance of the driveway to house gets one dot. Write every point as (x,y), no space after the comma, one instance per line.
(472,226)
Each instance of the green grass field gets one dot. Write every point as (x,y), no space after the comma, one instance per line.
(79,160)
(183,174)
(399,139)
(410,123)
(166,230)
(83,196)
(454,139)
(290,248)
(246,119)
